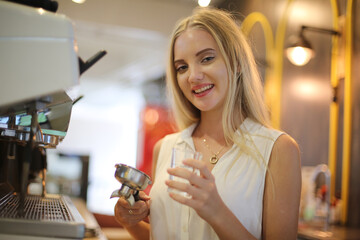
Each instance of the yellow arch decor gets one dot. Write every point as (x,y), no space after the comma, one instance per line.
(273,81)
(334,106)
(274,58)
(247,25)
(347,112)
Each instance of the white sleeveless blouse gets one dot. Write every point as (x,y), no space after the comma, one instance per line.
(240,183)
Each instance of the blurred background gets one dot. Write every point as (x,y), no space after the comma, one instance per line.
(124,110)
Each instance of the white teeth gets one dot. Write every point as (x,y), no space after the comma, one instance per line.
(203,89)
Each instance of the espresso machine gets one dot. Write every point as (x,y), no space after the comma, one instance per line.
(38,67)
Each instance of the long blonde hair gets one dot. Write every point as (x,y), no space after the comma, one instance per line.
(245,92)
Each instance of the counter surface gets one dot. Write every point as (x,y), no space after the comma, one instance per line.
(334,233)
(93,230)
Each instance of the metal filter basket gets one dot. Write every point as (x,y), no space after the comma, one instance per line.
(132,181)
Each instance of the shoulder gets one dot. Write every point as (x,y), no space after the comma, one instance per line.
(285,158)
(260,132)
(285,146)
(156,149)
(165,141)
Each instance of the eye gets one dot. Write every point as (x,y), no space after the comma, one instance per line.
(181,68)
(207,59)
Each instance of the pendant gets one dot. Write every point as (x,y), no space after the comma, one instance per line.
(214,159)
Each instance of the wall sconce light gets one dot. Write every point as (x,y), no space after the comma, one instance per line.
(301,51)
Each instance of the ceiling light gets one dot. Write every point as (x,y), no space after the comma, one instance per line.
(79,1)
(204,3)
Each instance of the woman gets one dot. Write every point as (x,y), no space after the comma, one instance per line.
(249,183)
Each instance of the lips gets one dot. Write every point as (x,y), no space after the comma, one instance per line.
(203,89)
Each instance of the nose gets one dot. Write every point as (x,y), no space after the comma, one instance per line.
(196,74)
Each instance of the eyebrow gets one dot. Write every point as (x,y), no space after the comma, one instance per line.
(198,53)
(204,50)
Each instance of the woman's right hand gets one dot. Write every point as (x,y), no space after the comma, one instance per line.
(128,215)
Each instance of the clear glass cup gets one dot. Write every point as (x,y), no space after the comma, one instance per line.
(177,156)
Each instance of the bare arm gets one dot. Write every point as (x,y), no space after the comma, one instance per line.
(282,191)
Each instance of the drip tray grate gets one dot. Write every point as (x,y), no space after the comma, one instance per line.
(53,215)
(37,208)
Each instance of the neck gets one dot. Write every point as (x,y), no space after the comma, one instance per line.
(210,126)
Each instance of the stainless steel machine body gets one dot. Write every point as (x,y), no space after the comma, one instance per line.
(38,65)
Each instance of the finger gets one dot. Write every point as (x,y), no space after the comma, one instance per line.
(128,217)
(179,172)
(204,170)
(121,215)
(121,208)
(143,196)
(193,191)
(143,209)
(183,200)
(125,204)
(183,173)
(139,207)
(181,186)
(192,177)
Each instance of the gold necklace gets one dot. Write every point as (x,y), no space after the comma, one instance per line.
(214,159)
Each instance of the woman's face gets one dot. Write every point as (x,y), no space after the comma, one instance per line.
(200,69)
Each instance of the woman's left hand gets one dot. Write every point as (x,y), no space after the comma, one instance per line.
(205,199)
(128,215)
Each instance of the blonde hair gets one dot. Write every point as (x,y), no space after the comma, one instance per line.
(245,91)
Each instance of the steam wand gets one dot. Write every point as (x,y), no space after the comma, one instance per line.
(83,66)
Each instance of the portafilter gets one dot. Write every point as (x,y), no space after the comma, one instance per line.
(132,181)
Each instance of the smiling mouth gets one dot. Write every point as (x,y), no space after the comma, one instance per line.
(203,89)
